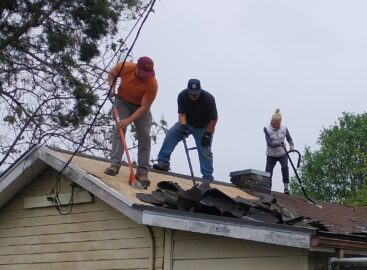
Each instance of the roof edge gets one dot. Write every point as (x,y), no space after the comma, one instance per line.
(20,174)
(332,240)
(253,231)
(91,184)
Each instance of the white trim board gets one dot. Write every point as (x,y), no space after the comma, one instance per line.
(241,231)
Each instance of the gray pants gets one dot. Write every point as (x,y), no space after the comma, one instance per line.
(270,164)
(143,125)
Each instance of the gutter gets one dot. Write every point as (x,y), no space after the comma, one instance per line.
(347,263)
(348,260)
(330,240)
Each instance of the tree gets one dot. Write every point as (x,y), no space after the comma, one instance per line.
(53,60)
(338,169)
(359,199)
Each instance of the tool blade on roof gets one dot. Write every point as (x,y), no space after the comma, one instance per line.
(186,199)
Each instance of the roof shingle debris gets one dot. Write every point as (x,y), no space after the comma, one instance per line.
(206,200)
(336,217)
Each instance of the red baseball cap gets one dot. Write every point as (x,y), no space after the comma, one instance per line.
(145,67)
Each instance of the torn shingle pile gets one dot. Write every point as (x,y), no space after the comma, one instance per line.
(206,200)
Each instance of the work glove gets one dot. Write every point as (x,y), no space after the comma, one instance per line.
(184,131)
(206,140)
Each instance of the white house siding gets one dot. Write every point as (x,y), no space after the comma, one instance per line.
(206,252)
(93,236)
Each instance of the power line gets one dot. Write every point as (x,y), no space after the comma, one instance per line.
(104,70)
(56,189)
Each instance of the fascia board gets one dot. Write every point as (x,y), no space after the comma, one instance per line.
(332,250)
(20,175)
(253,232)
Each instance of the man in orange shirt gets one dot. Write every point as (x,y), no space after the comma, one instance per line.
(136,93)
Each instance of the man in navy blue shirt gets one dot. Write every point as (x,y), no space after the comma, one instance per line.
(197,115)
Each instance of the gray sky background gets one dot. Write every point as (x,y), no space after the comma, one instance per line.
(307,58)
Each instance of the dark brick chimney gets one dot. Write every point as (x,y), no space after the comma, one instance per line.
(252,180)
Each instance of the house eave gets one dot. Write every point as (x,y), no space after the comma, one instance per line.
(93,185)
(335,241)
(38,158)
(253,231)
(20,174)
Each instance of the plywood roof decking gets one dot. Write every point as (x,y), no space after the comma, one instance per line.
(338,218)
(88,172)
(120,182)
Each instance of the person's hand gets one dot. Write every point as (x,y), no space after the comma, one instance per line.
(206,140)
(282,144)
(111,94)
(124,123)
(184,131)
(291,147)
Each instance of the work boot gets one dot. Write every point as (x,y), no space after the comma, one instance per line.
(143,179)
(286,191)
(137,185)
(205,185)
(161,166)
(112,170)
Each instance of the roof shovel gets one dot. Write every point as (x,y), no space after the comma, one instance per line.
(297,176)
(132,181)
(187,199)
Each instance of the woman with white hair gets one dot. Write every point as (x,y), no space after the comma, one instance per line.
(275,134)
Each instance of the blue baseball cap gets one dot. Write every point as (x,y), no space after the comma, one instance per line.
(194,87)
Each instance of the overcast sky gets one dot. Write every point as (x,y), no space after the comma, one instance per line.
(307,58)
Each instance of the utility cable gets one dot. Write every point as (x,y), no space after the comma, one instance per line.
(106,98)
(56,189)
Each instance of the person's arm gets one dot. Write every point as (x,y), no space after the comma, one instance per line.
(182,118)
(112,78)
(144,107)
(206,139)
(211,126)
(184,129)
(289,139)
(213,115)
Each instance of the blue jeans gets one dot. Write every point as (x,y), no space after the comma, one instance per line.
(205,154)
